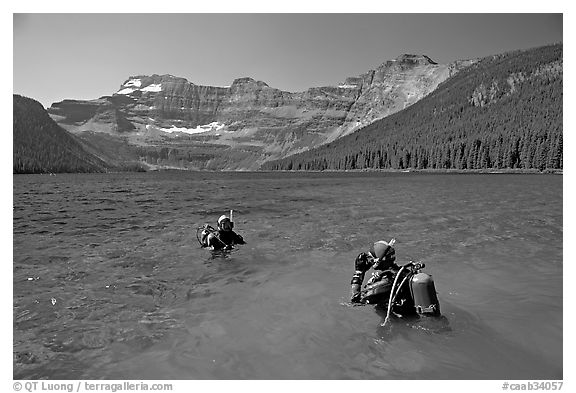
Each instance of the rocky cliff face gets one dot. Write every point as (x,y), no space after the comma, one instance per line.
(245,124)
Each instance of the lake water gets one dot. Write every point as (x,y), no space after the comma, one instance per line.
(110,282)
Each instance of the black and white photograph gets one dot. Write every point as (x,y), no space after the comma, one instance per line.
(305,196)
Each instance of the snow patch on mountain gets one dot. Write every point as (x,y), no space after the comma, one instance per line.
(214,126)
(125,91)
(155,87)
(133,82)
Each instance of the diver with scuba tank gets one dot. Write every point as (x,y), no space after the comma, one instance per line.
(402,290)
(222,238)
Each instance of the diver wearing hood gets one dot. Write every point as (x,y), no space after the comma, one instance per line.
(381,257)
(223,237)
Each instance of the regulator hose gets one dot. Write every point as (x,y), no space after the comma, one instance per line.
(400,286)
(392,294)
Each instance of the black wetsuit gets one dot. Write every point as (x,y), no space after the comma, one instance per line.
(223,239)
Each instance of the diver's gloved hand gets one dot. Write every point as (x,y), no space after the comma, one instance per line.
(355,293)
(363,262)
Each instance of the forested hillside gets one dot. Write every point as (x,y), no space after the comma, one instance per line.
(502,112)
(41,146)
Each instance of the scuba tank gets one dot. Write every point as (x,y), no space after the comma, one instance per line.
(203,232)
(424,295)
(410,293)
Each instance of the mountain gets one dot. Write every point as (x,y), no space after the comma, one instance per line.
(41,146)
(504,111)
(169,121)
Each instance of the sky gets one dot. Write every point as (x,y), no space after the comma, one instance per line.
(87,55)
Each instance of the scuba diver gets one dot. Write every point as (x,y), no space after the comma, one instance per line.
(400,290)
(222,238)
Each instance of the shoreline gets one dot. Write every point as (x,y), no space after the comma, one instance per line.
(394,171)
(507,171)
(161,168)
